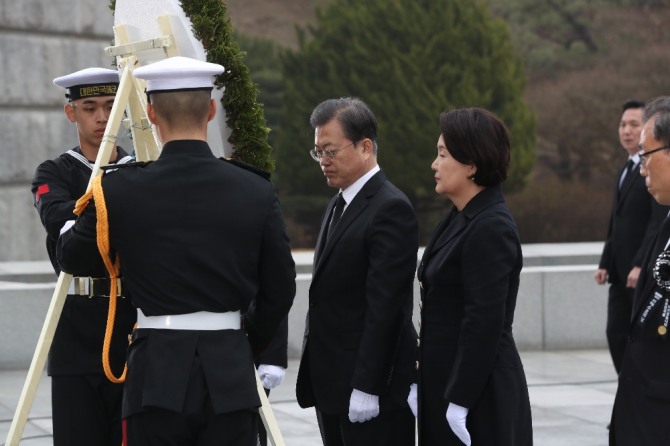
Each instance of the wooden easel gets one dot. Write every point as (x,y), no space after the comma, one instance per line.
(130,98)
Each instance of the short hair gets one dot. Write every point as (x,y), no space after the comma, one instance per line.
(632,103)
(182,108)
(477,136)
(656,105)
(357,120)
(661,130)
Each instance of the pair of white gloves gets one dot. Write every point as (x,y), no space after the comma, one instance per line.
(456,415)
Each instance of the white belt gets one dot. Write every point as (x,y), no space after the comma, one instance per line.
(201,320)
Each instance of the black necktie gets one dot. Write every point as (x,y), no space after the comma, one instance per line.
(626,172)
(337,212)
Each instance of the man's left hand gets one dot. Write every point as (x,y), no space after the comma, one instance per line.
(363,406)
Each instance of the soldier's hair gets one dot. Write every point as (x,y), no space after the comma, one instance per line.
(182,109)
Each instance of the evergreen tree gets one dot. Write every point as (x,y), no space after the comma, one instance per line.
(409,60)
(262,58)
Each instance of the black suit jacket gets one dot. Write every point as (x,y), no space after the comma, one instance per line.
(359,331)
(193,233)
(469,277)
(633,223)
(642,404)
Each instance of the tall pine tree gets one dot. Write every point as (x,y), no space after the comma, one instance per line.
(409,60)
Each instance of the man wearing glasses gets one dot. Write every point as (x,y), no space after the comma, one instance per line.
(633,222)
(359,347)
(642,404)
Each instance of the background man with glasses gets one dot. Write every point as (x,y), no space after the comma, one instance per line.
(642,404)
(633,222)
(359,347)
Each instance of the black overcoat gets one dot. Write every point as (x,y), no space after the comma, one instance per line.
(469,279)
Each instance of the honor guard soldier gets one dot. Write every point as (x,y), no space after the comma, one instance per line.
(86,406)
(199,241)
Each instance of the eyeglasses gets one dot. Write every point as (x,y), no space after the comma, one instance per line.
(317,154)
(644,154)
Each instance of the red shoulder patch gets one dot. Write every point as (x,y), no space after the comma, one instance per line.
(43,189)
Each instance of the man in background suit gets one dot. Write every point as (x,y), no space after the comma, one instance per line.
(642,404)
(359,346)
(633,222)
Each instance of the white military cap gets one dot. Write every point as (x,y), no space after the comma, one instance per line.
(178,73)
(89,82)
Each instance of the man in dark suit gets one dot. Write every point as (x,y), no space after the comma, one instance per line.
(642,404)
(199,240)
(86,406)
(359,347)
(634,220)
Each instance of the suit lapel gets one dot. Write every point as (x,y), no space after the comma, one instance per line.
(323,231)
(455,222)
(439,229)
(628,182)
(351,213)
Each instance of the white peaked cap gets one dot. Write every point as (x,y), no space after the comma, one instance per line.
(178,73)
(88,76)
(89,82)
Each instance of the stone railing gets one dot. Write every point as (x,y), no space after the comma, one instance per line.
(559,304)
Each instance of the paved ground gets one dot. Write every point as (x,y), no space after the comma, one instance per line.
(571,393)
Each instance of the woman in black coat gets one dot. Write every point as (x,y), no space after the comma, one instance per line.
(471,387)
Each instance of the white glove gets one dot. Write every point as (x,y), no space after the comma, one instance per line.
(68,224)
(271,375)
(456,418)
(412,399)
(363,406)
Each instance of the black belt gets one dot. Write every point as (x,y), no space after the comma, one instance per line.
(92,286)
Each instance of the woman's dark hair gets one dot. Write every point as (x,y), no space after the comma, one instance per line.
(477,136)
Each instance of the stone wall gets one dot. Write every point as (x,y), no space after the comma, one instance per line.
(39,40)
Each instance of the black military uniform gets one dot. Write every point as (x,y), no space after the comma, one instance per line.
(76,351)
(200,239)
(86,406)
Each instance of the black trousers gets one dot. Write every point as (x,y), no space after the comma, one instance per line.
(86,410)
(394,427)
(195,425)
(619,309)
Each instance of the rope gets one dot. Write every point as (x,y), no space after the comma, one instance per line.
(114,269)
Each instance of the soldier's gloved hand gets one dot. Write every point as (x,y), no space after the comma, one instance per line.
(456,418)
(271,375)
(412,399)
(363,406)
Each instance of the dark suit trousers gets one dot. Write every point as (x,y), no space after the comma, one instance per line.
(619,309)
(394,427)
(195,425)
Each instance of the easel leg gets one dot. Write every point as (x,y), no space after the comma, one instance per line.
(38,361)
